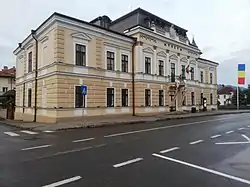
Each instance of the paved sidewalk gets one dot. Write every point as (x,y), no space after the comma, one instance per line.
(114,120)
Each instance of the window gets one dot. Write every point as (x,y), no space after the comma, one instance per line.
(172,72)
(110,60)
(124,63)
(147,65)
(211,78)
(5,89)
(192,98)
(201,76)
(29,97)
(147,97)
(161,98)
(192,73)
(184,99)
(183,69)
(79,102)
(161,68)
(30,62)
(224,96)
(201,98)
(124,97)
(80,55)
(211,99)
(110,97)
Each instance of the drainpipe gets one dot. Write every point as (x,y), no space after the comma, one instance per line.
(20,46)
(133,76)
(33,34)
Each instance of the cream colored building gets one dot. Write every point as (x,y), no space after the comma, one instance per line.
(126,68)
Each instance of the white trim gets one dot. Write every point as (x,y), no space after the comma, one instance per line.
(106,97)
(81,36)
(148,50)
(80,42)
(110,49)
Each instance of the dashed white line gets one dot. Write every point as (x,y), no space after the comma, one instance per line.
(38,147)
(229,132)
(169,150)
(66,181)
(164,127)
(11,134)
(241,128)
(249,126)
(48,131)
(232,143)
(247,138)
(216,136)
(196,142)
(127,162)
(29,132)
(203,169)
(83,140)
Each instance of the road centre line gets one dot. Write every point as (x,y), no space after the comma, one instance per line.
(203,169)
(229,132)
(242,128)
(11,134)
(215,136)
(169,150)
(164,127)
(232,143)
(127,162)
(83,140)
(66,181)
(38,147)
(48,131)
(196,142)
(29,132)
(249,126)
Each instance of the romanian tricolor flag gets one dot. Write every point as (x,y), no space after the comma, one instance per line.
(241,73)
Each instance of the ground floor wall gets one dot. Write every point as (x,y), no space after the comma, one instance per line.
(57,98)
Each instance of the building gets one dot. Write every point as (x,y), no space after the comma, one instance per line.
(7,79)
(134,64)
(225,95)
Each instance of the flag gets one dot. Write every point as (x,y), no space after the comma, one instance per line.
(241,73)
(187,69)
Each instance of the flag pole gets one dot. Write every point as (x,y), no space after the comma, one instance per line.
(237,97)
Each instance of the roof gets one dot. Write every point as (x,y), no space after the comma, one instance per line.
(140,10)
(209,61)
(226,90)
(77,20)
(8,72)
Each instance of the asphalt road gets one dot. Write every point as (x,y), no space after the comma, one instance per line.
(205,151)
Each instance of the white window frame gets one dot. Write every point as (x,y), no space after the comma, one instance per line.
(212,77)
(163,97)
(106,97)
(123,52)
(148,55)
(150,97)
(86,97)
(128,98)
(110,49)
(80,42)
(164,64)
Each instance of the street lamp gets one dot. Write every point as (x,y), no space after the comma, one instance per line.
(34,36)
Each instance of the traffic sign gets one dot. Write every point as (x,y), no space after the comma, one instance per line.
(84,90)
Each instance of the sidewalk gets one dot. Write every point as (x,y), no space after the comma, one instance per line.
(114,120)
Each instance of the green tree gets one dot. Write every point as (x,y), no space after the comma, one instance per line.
(242,99)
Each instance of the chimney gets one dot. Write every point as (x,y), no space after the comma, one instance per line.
(5,67)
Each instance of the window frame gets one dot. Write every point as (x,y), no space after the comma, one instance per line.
(183,70)
(161,67)
(122,63)
(202,77)
(149,97)
(85,54)
(84,104)
(30,61)
(193,98)
(211,98)
(5,89)
(161,98)
(211,78)
(107,97)
(110,58)
(172,77)
(192,73)
(127,104)
(29,100)
(146,63)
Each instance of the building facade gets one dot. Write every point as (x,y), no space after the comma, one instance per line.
(130,66)
(7,79)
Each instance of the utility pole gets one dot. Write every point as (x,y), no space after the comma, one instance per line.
(238,103)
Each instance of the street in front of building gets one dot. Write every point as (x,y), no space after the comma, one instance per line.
(204,151)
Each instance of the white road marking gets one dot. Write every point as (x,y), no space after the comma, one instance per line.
(215,136)
(203,169)
(38,147)
(247,138)
(164,127)
(196,142)
(249,126)
(11,134)
(229,132)
(48,131)
(83,140)
(241,128)
(127,162)
(231,143)
(29,132)
(169,150)
(66,181)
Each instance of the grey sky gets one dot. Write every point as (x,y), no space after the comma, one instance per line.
(221,27)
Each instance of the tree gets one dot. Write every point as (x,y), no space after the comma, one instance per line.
(242,99)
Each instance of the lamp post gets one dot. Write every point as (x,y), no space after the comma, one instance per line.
(34,36)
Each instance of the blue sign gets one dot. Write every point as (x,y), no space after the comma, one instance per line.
(84,90)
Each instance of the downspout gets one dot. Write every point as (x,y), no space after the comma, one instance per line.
(33,33)
(133,76)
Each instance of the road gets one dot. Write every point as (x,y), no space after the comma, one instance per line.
(205,151)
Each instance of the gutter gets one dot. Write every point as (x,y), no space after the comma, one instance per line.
(133,76)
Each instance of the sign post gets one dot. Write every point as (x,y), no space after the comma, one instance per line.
(84,93)
(241,81)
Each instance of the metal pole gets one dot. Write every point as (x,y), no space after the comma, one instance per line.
(238,98)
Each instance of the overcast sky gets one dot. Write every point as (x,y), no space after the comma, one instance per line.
(221,27)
